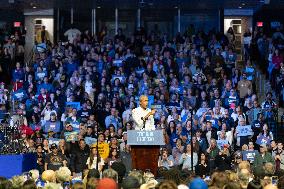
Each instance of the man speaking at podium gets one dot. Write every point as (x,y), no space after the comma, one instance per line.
(143,116)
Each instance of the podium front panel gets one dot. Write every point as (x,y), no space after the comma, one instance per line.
(147,138)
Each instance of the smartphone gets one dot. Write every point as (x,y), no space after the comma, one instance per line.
(274,180)
(207,178)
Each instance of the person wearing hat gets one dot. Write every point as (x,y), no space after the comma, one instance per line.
(263,157)
(52,124)
(54,160)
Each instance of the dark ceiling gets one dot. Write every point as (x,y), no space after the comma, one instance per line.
(133,4)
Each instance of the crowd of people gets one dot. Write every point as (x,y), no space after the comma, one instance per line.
(84,89)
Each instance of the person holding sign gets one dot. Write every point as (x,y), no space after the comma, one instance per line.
(143,116)
(243,132)
(265,136)
(103,147)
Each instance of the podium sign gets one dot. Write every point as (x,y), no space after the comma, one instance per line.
(149,138)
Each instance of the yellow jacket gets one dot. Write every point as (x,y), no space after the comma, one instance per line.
(38,37)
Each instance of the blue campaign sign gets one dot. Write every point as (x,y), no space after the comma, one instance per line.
(19,94)
(76,105)
(221,143)
(120,77)
(249,155)
(52,126)
(244,130)
(118,63)
(90,140)
(263,140)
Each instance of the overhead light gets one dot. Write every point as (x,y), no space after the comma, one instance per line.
(240,7)
(243,4)
(34,7)
(98,7)
(175,7)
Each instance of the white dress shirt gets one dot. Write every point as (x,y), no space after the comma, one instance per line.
(138,114)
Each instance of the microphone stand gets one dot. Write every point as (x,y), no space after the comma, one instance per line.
(97,147)
(191,136)
(144,123)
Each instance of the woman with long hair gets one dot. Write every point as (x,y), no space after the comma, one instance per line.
(171,131)
(202,168)
(113,156)
(45,147)
(93,158)
(195,145)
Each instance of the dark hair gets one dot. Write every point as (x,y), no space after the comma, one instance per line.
(29,184)
(120,169)
(167,184)
(92,157)
(232,185)
(93,173)
(92,183)
(5,183)
(254,184)
(112,150)
(78,185)
(173,174)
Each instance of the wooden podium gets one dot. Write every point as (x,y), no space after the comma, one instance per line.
(145,148)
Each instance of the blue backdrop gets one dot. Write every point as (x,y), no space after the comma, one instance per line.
(11,165)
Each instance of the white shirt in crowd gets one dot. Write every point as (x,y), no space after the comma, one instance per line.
(94,164)
(138,114)
(72,33)
(126,115)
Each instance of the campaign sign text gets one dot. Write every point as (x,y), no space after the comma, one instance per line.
(136,137)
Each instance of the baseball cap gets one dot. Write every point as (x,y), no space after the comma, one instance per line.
(198,183)
(53,146)
(52,114)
